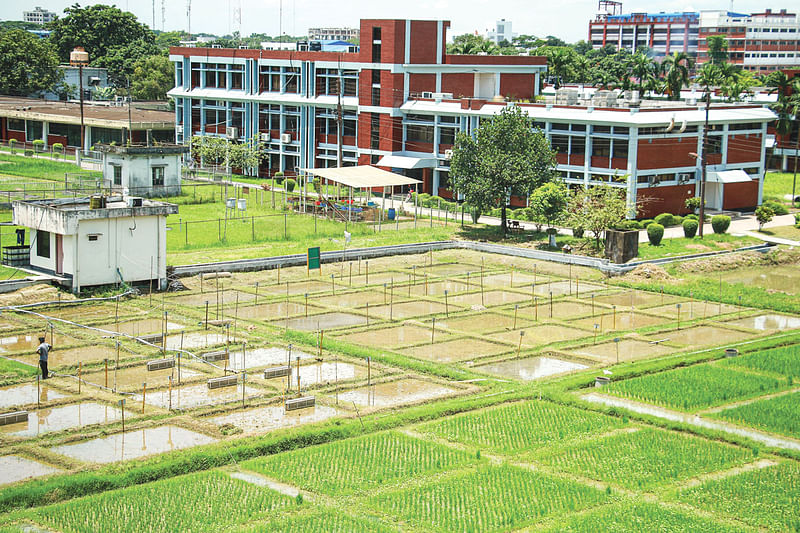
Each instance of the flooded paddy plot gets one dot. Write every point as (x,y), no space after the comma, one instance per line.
(567,287)
(771,322)
(456,350)
(560,309)
(25,394)
(520,279)
(435,288)
(359,299)
(265,419)
(539,335)
(199,395)
(259,357)
(396,393)
(624,320)
(16,468)
(324,321)
(481,322)
(19,343)
(785,278)
(72,356)
(322,373)
(297,287)
(145,326)
(404,335)
(636,299)
(225,297)
(133,444)
(447,269)
(531,368)
(692,310)
(88,312)
(629,350)
(704,336)
(273,310)
(63,417)
(488,298)
(410,309)
(196,339)
(131,378)
(375,278)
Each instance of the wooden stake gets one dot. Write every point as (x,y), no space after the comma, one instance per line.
(433,328)
(144,393)
(106,364)
(519,347)
(80,366)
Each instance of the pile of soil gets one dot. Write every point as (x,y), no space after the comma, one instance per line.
(34,293)
(647,272)
(778,256)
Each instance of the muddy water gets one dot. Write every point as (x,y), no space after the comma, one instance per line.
(521,279)
(227,297)
(694,420)
(145,326)
(133,444)
(456,350)
(447,269)
(560,288)
(297,287)
(704,336)
(85,312)
(199,395)
(321,373)
(531,368)
(375,278)
(132,378)
(20,343)
(71,356)
(395,393)
(538,335)
(359,299)
(271,418)
(692,310)
(26,395)
(768,322)
(410,309)
(636,299)
(482,322)
(489,298)
(15,468)
(435,288)
(629,350)
(396,336)
(623,321)
(63,417)
(324,321)
(784,278)
(258,357)
(561,310)
(273,310)
(197,339)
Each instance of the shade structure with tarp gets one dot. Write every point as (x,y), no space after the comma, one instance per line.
(715,185)
(407,162)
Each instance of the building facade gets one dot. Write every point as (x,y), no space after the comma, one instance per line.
(334,34)
(502,32)
(39,16)
(143,170)
(404,98)
(758,42)
(664,33)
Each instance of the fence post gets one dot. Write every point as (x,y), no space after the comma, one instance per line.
(284,226)
(186,228)
(253,227)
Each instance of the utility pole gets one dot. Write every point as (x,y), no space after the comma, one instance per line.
(704,163)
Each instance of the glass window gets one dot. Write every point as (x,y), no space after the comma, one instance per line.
(419,133)
(601,147)
(620,149)
(117,169)
(43,243)
(560,143)
(447,136)
(578,146)
(158,176)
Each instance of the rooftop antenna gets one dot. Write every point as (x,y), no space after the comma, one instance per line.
(154,15)
(163,15)
(189,18)
(280,21)
(237,16)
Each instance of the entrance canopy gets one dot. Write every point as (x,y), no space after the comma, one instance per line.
(406,162)
(361,177)
(729,176)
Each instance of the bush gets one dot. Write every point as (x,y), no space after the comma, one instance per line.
(28,152)
(626,225)
(693,204)
(519,214)
(665,219)
(12,143)
(720,223)
(38,145)
(279,177)
(58,147)
(655,232)
(764,214)
(797,219)
(778,208)
(646,222)
(691,217)
(290,184)
(475,213)
(677,220)
(689,228)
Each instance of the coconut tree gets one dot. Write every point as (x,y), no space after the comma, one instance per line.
(717,48)
(643,68)
(676,73)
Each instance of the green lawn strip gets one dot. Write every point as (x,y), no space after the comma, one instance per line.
(695,387)
(644,459)
(11,368)
(641,517)
(778,184)
(784,361)
(765,497)
(683,246)
(517,427)
(18,165)
(783,232)
(308,519)
(780,414)
(361,465)
(197,502)
(490,498)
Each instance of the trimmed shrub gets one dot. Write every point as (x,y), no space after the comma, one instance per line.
(475,213)
(690,228)
(693,203)
(764,214)
(665,219)
(279,177)
(797,219)
(777,207)
(28,151)
(655,232)
(290,185)
(12,143)
(628,225)
(691,217)
(38,145)
(646,222)
(720,223)
(519,214)
(677,220)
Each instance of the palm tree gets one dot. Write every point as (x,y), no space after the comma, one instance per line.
(676,73)
(717,48)
(643,68)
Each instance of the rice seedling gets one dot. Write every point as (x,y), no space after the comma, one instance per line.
(319,519)
(644,459)
(695,387)
(764,498)
(784,361)
(461,502)
(520,426)
(359,464)
(780,414)
(198,502)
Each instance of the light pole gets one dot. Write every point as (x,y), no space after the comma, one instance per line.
(78,58)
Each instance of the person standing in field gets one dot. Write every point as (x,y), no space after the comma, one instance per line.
(43,350)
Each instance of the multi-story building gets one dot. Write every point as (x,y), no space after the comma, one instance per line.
(334,34)
(760,42)
(664,33)
(502,32)
(403,96)
(38,16)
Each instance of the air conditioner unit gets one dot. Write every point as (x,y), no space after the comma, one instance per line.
(448,154)
(179,129)
(427,94)
(265,137)
(685,177)
(286,138)
(232,133)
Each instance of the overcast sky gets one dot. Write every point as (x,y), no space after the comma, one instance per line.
(567,19)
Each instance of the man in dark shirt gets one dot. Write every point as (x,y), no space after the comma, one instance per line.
(43,350)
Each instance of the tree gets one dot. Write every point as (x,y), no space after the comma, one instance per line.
(548,204)
(644,69)
(764,214)
(28,65)
(596,209)
(676,73)
(152,77)
(472,44)
(506,155)
(121,60)
(97,28)
(717,48)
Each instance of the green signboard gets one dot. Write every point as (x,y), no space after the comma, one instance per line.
(313,258)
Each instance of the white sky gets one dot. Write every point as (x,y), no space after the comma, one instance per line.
(567,19)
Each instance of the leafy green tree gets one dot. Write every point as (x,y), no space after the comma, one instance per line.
(597,209)
(152,77)
(121,60)
(549,202)
(676,73)
(28,65)
(764,214)
(472,44)
(97,28)
(165,39)
(644,69)
(8,25)
(717,48)
(506,154)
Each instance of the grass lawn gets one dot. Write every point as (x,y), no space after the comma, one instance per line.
(778,184)
(683,246)
(783,232)
(28,167)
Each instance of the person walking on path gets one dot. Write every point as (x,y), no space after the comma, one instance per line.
(43,350)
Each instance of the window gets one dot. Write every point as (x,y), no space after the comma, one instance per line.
(447,136)
(117,174)
(93,237)
(376,96)
(601,147)
(376,44)
(620,149)
(158,176)
(16,124)
(560,143)
(375,131)
(43,243)
(714,144)
(578,146)
(419,133)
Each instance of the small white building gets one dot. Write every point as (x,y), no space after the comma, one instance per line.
(97,241)
(143,170)
(502,32)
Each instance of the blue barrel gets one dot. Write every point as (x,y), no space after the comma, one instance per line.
(390,214)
